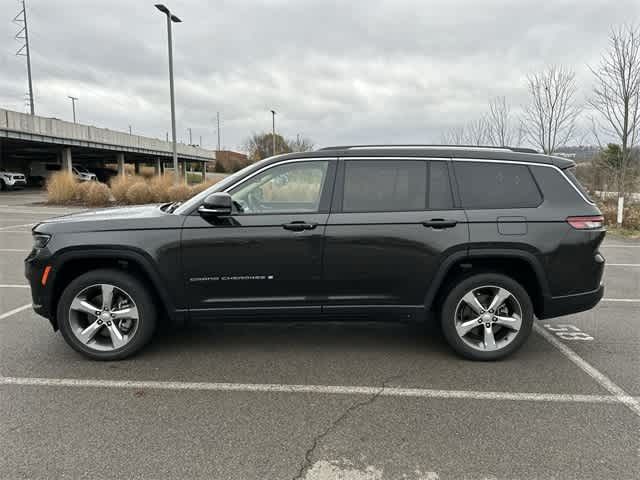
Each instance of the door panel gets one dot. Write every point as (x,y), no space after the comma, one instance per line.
(387,258)
(268,254)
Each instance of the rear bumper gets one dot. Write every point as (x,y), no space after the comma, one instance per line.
(568,304)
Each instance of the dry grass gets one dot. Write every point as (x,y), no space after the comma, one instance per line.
(61,187)
(201,187)
(160,186)
(630,218)
(98,194)
(139,193)
(179,193)
(120,186)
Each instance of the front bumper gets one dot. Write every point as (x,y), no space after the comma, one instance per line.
(17,184)
(34,266)
(568,304)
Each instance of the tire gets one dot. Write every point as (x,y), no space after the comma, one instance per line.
(499,324)
(86,291)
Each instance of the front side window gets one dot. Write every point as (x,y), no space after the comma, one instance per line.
(384,185)
(487,185)
(286,188)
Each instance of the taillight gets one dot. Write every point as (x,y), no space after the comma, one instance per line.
(586,223)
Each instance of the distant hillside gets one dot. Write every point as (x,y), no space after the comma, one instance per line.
(582,153)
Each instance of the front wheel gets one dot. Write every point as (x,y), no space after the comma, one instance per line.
(106,315)
(487,317)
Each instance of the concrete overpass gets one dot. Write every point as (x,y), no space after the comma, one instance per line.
(25,138)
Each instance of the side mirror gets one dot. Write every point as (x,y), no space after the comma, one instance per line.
(216,204)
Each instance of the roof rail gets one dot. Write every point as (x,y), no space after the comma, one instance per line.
(433,146)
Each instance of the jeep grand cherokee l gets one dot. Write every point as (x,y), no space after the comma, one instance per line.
(485,239)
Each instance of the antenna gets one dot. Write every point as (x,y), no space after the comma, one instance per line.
(24,51)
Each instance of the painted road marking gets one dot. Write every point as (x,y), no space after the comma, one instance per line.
(16,226)
(622,264)
(326,389)
(15,231)
(568,332)
(13,250)
(629,300)
(603,380)
(13,286)
(14,311)
(620,246)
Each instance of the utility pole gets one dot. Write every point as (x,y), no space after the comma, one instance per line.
(23,34)
(130,131)
(73,106)
(171,18)
(273,131)
(200,144)
(218,119)
(190,136)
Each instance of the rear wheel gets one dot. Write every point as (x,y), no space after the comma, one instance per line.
(106,315)
(487,317)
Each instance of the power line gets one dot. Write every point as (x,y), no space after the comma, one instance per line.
(24,50)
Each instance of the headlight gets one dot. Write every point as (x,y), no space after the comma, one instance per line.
(40,240)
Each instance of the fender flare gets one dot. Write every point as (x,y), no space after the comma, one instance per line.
(134,255)
(480,253)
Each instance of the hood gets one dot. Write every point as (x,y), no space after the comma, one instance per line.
(12,173)
(112,219)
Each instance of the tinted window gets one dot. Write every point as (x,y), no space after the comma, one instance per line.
(496,185)
(290,187)
(384,185)
(570,172)
(439,187)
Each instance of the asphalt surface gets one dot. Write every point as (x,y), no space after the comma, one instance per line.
(319,401)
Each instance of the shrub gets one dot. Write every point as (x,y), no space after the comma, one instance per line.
(82,190)
(201,187)
(139,193)
(179,193)
(97,195)
(160,186)
(120,186)
(61,187)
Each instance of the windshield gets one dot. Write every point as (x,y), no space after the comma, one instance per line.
(218,187)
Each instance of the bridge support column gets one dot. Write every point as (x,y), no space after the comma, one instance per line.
(204,172)
(136,167)
(120,159)
(67,159)
(158,167)
(1,153)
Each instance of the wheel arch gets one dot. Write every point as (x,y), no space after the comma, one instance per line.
(70,264)
(520,265)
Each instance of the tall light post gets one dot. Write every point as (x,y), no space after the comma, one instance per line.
(73,106)
(273,131)
(172,18)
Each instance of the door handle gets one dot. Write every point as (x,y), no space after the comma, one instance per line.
(440,223)
(299,226)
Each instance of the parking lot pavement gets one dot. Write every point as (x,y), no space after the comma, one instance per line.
(318,401)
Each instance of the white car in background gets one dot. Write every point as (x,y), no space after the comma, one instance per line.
(11,180)
(84,175)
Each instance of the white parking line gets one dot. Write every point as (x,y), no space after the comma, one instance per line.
(13,286)
(620,246)
(13,250)
(603,380)
(622,264)
(14,311)
(16,226)
(16,231)
(325,389)
(626,300)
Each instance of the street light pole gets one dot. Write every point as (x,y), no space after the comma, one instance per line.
(73,106)
(273,131)
(172,18)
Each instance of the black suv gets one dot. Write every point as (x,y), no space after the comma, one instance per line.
(483,238)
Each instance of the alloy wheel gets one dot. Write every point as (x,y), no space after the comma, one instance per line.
(103,317)
(488,318)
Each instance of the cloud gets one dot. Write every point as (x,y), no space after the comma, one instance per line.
(335,71)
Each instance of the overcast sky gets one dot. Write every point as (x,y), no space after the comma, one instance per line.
(349,71)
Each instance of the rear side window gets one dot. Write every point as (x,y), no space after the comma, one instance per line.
(571,175)
(496,185)
(384,186)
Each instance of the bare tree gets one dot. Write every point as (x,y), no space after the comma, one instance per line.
(454,136)
(616,97)
(499,129)
(300,144)
(549,120)
(477,132)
